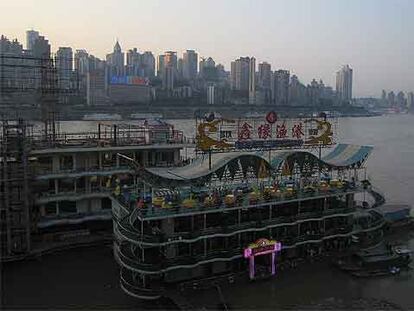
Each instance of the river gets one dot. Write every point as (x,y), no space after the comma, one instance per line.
(88,278)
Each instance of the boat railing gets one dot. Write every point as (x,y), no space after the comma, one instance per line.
(131,231)
(152,210)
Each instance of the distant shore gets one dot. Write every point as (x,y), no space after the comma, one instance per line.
(184,111)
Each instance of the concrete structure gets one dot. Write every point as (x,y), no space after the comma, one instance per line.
(64,67)
(129,94)
(280,87)
(133,65)
(211,94)
(252,81)
(240,70)
(31,37)
(344,83)
(170,70)
(265,75)
(148,64)
(96,87)
(116,62)
(297,92)
(410,101)
(190,60)
(160,66)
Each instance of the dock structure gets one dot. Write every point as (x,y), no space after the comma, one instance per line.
(56,186)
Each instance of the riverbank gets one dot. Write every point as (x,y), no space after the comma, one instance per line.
(181,110)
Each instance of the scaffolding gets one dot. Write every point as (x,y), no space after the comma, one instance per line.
(15,196)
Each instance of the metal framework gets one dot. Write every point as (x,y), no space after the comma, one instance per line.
(15,200)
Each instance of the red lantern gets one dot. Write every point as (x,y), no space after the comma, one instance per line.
(271,117)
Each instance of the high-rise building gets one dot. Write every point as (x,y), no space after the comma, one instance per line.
(133,67)
(81,62)
(252,81)
(148,64)
(401,101)
(115,61)
(41,48)
(207,69)
(344,83)
(180,69)
(190,60)
(240,70)
(211,94)
(297,92)
(18,70)
(280,87)
(64,67)
(160,65)
(31,37)
(264,78)
(171,59)
(170,70)
(410,101)
(391,98)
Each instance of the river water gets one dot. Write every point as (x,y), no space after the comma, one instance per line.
(88,278)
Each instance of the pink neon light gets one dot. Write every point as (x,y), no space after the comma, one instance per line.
(248,252)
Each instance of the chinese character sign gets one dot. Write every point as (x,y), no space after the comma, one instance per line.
(281,131)
(297,131)
(245,131)
(264,131)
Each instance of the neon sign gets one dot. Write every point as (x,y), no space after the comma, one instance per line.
(267,133)
(262,247)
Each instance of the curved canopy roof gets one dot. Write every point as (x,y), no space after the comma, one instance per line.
(202,168)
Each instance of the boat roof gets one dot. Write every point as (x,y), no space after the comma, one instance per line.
(392,208)
(343,156)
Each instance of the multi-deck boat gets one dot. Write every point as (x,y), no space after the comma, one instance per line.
(55,189)
(236,213)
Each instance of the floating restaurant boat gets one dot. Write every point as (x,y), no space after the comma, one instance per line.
(237,212)
(55,189)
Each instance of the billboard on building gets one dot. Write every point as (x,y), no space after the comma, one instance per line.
(129,80)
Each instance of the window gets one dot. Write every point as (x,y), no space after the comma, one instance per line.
(50,209)
(67,207)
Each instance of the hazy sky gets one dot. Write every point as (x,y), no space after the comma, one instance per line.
(312,38)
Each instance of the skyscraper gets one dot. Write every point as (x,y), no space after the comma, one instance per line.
(64,66)
(160,66)
(133,67)
(31,37)
(280,87)
(391,98)
(81,62)
(240,69)
(148,64)
(344,83)
(207,69)
(190,60)
(41,48)
(297,92)
(410,101)
(115,61)
(170,70)
(180,69)
(265,72)
(252,81)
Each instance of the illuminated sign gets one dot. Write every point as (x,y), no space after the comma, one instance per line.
(129,80)
(262,247)
(269,132)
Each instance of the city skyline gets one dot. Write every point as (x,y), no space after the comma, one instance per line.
(316,38)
